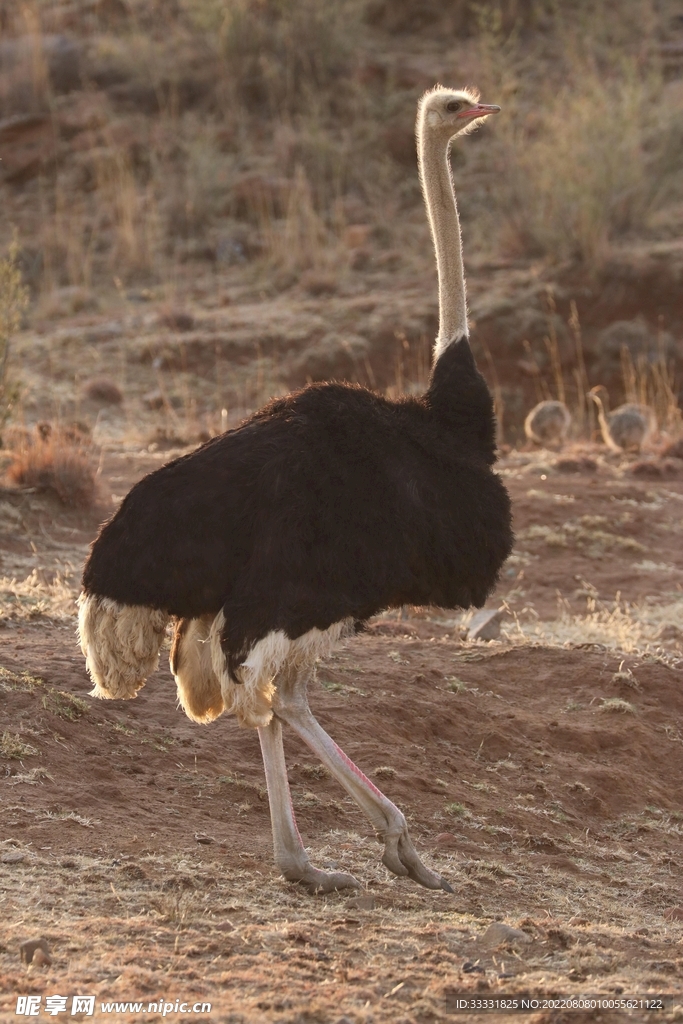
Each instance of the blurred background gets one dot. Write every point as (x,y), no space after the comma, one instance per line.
(208,202)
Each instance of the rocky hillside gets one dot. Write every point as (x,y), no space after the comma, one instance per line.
(234,185)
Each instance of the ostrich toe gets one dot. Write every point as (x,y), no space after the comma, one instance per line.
(401,857)
(317,881)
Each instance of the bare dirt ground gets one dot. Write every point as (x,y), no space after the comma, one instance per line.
(541,773)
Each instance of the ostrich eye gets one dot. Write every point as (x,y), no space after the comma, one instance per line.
(452,106)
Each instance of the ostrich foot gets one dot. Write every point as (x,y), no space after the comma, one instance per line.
(290,856)
(400,856)
(317,881)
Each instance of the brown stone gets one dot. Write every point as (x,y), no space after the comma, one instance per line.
(499,934)
(27,950)
(365,902)
(13,857)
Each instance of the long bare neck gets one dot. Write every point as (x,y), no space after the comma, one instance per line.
(604,425)
(442,210)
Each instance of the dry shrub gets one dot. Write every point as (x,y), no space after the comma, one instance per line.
(580,168)
(461,17)
(582,163)
(278,54)
(55,461)
(653,383)
(13,302)
(299,241)
(103,389)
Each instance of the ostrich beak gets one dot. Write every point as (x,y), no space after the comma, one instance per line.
(480,110)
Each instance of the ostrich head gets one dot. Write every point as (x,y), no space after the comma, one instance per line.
(448,112)
(596,392)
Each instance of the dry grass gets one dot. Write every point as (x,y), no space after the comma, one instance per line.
(295,92)
(653,383)
(13,303)
(647,378)
(621,626)
(259,948)
(13,747)
(583,166)
(580,176)
(35,598)
(53,460)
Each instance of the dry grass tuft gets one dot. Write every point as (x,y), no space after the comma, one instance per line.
(14,748)
(13,302)
(622,627)
(54,461)
(617,705)
(580,178)
(103,389)
(34,598)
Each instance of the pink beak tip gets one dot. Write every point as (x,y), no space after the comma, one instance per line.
(481,110)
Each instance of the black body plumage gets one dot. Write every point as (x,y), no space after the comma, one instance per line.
(328,504)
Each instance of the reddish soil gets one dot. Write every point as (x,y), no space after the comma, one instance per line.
(146,839)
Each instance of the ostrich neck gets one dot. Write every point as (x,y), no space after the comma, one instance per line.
(604,425)
(442,210)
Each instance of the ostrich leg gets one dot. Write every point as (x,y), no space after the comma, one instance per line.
(290,856)
(400,856)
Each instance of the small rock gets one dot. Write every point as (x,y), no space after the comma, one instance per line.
(203,839)
(28,949)
(674,914)
(12,857)
(499,934)
(41,959)
(446,839)
(485,625)
(361,903)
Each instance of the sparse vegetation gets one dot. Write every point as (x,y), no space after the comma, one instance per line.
(224,209)
(53,460)
(14,747)
(80,819)
(455,685)
(13,304)
(315,771)
(617,704)
(64,704)
(36,597)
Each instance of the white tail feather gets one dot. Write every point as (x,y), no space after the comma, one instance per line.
(121,644)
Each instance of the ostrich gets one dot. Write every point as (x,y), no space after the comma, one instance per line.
(627,427)
(548,423)
(273,541)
